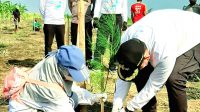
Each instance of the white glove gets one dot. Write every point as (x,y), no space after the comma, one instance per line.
(122,110)
(117,105)
(125,110)
(98,97)
(118,110)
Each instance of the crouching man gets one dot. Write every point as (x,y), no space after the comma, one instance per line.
(52,88)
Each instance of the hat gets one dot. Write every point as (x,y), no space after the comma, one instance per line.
(72,59)
(129,57)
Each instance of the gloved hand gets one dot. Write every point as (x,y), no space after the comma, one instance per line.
(124,26)
(98,97)
(125,110)
(95,22)
(117,105)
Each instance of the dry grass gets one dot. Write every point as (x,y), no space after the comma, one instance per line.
(26,48)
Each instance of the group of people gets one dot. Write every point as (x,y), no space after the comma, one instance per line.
(16,19)
(151,54)
(107,16)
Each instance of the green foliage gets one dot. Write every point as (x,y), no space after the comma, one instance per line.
(194,77)
(193,93)
(7,7)
(68,16)
(2,47)
(129,22)
(97,81)
(108,39)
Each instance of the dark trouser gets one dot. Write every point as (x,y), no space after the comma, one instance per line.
(108,33)
(36,29)
(185,64)
(88,38)
(49,31)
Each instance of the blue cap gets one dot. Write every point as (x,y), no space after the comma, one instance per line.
(72,59)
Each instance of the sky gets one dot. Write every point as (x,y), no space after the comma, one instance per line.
(33,5)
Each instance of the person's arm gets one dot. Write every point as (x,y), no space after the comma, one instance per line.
(19,12)
(155,82)
(97,9)
(145,10)
(121,91)
(125,11)
(132,13)
(42,7)
(70,5)
(93,7)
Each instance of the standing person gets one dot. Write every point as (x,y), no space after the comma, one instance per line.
(73,6)
(52,12)
(50,85)
(154,53)
(193,7)
(138,11)
(110,16)
(16,18)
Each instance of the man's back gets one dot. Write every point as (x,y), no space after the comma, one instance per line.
(53,11)
(174,35)
(138,10)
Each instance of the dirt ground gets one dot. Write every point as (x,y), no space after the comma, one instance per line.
(26,47)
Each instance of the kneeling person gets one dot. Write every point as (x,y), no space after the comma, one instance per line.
(58,70)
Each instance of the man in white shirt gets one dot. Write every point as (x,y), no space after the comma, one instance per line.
(110,16)
(158,51)
(53,12)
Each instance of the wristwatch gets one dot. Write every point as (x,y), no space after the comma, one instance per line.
(126,110)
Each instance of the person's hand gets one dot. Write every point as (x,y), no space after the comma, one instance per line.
(98,97)
(117,105)
(126,110)
(95,22)
(124,26)
(104,96)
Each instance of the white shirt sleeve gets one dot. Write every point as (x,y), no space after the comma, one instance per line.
(125,11)
(97,8)
(155,82)
(121,91)
(42,7)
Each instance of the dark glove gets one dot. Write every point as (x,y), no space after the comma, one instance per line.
(124,26)
(95,22)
